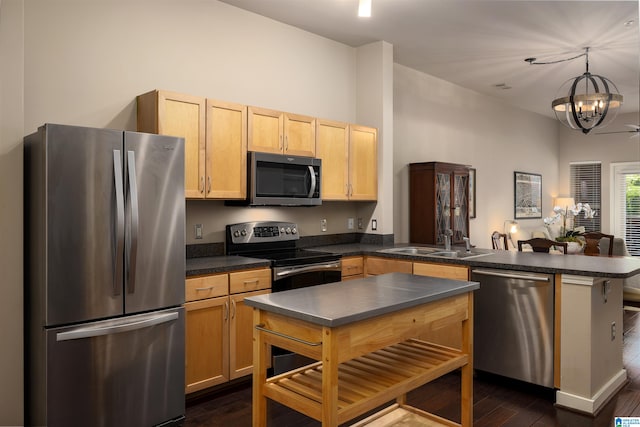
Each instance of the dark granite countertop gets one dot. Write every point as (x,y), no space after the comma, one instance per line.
(335,304)
(222,264)
(581,265)
(612,267)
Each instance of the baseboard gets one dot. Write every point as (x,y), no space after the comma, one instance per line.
(592,405)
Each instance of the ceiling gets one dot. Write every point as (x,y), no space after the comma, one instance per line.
(481,45)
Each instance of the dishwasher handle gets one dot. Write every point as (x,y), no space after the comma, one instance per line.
(511,275)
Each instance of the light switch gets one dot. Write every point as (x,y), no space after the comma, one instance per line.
(198,231)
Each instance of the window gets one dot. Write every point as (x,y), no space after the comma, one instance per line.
(626,204)
(586,188)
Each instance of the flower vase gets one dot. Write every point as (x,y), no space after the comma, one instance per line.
(574,248)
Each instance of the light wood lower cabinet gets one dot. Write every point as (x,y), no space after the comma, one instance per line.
(352,268)
(219,328)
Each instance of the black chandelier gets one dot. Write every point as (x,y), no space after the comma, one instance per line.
(587,101)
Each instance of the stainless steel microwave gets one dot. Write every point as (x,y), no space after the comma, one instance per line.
(281,180)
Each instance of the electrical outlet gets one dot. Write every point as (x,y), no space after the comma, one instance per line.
(350,223)
(198,231)
(323,224)
(359,223)
(374,224)
(613,331)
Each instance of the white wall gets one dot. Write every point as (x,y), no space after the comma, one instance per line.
(435,120)
(578,147)
(84,61)
(11,132)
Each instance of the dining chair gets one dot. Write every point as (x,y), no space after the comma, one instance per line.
(593,242)
(499,241)
(542,245)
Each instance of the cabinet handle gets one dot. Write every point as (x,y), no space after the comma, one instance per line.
(286,143)
(261,327)
(226,311)
(202,184)
(350,190)
(208,184)
(347,192)
(247,282)
(281,147)
(204,289)
(233,309)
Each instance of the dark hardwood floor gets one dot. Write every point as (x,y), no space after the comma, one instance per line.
(497,401)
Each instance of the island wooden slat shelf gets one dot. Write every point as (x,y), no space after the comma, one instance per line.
(367,361)
(366,382)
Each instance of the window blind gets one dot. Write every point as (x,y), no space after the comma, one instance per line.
(585,183)
(626,204)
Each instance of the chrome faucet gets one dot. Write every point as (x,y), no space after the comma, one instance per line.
(447,239)
(467,242)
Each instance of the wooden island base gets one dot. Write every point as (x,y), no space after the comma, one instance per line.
(364,364)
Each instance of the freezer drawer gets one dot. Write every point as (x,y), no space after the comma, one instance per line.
(124,372)
(513,325)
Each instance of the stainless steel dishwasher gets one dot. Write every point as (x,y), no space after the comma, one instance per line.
(513,324)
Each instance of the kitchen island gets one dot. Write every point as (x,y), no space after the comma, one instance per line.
(365,336)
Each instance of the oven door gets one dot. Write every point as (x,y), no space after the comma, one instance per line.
(284,180)
(293,277)
(301,276)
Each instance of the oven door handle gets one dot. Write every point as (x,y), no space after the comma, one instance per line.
(282,272)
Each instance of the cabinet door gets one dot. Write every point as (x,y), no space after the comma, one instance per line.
(460,207)
(443,205)
(265,129)
(332,146)
(175,114)
(363,163)
(299,135)
(241,335)
(207,343)
(226,153)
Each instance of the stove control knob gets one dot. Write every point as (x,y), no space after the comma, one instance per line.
(236,233)
(294,230)
(243,232)
(288,230)
(282,230)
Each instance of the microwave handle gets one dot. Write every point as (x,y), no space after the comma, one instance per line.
(313,182)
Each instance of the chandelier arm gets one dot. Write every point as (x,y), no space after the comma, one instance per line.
(606,107)
(572,93)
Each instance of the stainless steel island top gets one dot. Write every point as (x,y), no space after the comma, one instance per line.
(341,303)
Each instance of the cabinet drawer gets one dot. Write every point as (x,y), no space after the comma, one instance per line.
(445,271)
(352,266)
(206,287)
(377,266)
(246,281)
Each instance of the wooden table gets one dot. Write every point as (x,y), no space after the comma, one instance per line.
(365,336)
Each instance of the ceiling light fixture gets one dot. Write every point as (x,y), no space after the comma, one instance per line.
(364,9)
(587,101)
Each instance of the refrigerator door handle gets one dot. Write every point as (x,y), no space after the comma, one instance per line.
(117,175)
(133,203)
(128,326)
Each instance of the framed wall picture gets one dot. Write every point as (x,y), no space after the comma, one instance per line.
(527,195)
(472,192)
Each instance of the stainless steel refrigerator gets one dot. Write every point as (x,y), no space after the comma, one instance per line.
(104,278)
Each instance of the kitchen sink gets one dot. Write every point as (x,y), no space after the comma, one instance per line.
(434,252)
(411,250)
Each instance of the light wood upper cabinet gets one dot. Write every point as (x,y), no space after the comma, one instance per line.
(176,114)
(226,165)
(349,161)
(215,140)
(276,132)
(363,163)
(332,146)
